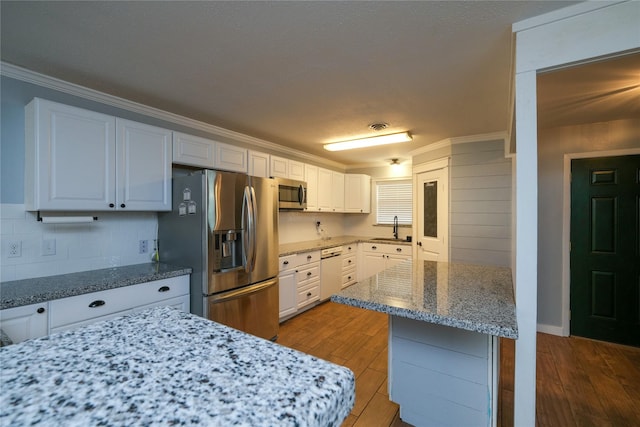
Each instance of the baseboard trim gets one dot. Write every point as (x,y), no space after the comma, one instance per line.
(550,329)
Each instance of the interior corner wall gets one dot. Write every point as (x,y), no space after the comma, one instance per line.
(553,144)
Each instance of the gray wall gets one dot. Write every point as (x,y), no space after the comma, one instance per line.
(553,144)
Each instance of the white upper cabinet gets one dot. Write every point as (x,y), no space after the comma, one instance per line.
(285,168)
(231,158)
(80,160)
(258,164)
(193,150)
(279,167)
(143,167)
(337,194)
(357,189)
(69,159)
(311,177)
(325,200)
(296,170)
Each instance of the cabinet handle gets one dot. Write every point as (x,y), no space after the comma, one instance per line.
(349,261)
(309,273)
(122,205)
(308,294)
(286,262)
(419,243)
(349,278)
(164,289)
(97,303)
(349,248)
(40,310)
(309,257)
(111,205)
(399,249)
(374,247)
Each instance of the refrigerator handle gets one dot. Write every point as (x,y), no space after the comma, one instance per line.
(252,225)
(245,228)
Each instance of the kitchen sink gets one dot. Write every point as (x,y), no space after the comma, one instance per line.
(389,239)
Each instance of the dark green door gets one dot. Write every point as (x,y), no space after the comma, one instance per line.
(605,249)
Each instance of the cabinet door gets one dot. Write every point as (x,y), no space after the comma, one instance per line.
(311,177)
(193,150)
(70,158)
(143,167)
(374,263)
(231,158)
(26,322)
(357,193)
(337,196)
(258,164)
(325,200)
(287,294)
(296,170)
(279,167)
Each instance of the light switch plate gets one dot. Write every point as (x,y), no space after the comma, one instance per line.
(48,247)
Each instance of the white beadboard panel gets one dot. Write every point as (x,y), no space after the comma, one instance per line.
(500,231)
(481,206)
(479,219)
(489,169)
(481,243)
(484,257)
(468,182)
(481,194)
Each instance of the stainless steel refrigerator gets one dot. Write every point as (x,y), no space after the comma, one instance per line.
(224,226)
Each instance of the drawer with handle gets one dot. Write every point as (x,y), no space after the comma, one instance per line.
(97,304)
(307,296)
(288,262)
(307,275)
(349,261)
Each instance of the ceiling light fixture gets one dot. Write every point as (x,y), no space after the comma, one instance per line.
(394,162)
(393,138)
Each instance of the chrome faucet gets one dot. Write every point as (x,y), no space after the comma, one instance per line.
(395,226)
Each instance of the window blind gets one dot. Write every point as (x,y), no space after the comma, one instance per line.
(394,198)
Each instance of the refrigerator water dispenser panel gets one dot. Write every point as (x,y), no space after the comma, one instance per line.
(228,250)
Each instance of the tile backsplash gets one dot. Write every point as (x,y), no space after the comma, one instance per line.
(112,240)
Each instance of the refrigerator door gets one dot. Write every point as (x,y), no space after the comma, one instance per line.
(252,309)
(264,235)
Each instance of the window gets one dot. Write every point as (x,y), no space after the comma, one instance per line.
(394,198)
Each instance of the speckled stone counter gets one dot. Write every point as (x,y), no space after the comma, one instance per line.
(32,291)
(165,367)
(472,297)
(313,245)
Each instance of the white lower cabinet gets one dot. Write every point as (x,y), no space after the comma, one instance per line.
(299,283)
(26,322)
(377,257)
(69,313)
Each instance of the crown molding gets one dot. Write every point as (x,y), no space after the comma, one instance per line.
(28,76)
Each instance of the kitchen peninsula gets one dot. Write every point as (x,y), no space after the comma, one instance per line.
(165,367)
(444,323)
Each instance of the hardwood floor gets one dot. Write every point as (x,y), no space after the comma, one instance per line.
(580,382)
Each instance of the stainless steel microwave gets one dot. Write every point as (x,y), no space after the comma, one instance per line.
(292,194)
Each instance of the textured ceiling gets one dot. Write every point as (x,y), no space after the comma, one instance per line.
(299,74)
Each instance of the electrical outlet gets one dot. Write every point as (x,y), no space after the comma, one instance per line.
(15,249)
(143,246)
(48,247)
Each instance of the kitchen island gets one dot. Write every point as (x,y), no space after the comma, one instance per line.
(444,323)
(162,367)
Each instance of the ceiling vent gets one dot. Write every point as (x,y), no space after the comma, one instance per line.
(378,126)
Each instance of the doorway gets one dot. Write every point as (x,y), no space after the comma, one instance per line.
(431,211)
(605,249)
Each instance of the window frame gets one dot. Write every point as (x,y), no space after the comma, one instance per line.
(405,211)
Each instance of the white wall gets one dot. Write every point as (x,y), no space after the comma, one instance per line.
(301,226)
(553,144)
(109,242)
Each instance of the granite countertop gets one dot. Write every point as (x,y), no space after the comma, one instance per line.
(32,291)
(313,245)
(165,367)
(473,297)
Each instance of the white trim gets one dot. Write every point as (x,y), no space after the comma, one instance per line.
(560,14)
(493,136)
(566,225)
(49,82)
(551,330)
(431,166)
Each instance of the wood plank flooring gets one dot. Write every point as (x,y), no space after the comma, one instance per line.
(580,382)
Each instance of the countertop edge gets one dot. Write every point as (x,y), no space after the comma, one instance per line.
(316,245)
(484,328)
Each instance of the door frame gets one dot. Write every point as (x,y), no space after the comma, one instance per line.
(566,231)
(428,167)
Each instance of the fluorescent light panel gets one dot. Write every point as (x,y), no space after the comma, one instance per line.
(393,138)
